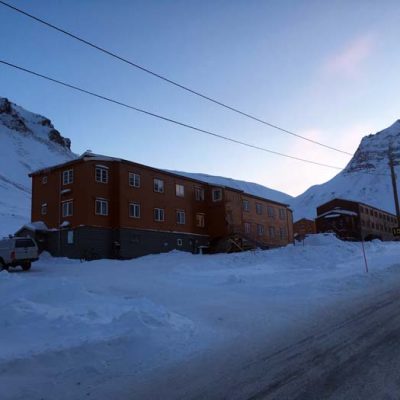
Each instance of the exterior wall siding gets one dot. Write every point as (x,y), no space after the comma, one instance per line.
(118,234)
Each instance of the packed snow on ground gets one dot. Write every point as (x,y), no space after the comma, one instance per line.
(69,328)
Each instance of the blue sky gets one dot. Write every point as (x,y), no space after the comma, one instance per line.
(326,70)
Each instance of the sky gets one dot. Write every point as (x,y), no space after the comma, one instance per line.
(327,70)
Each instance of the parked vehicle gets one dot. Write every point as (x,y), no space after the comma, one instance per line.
(18,251)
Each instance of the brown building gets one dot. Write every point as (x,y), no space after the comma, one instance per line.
(354,220)
(304,227)
(103,207)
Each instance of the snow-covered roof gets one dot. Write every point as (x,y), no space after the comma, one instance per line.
(248,188)
(34,226)
(337,212)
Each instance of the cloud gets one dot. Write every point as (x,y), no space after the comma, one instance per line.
(350,60)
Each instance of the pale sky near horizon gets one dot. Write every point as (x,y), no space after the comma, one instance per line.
(328,70)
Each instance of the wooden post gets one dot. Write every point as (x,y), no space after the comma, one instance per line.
(394,183)
(365,258)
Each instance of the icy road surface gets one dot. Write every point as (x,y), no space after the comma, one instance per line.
(292,323)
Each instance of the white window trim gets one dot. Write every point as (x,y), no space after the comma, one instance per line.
(216,190)
(69,174)
(163,214)
(133,175)
(179,242)
(69,201)
(102,201)
(181,187)
(180,213)
(154,185)
(204,220)
(200,190)
(101,169)
(134,203)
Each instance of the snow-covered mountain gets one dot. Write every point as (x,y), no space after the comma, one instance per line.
(366,178)
(28,142)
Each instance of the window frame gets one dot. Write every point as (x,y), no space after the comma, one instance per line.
(134,205)
(132,179)
(199,193)
(216,190)
(181,189)
(157,187)
(246,205)
(43,206)
(159,211)
(68,177)
(102,202)
(103,176)
(178,214)
(260,230)
(200,217)
(259,209)
(67,208)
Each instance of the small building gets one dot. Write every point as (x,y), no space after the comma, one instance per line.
(354,220)
(304,227)
(102,207)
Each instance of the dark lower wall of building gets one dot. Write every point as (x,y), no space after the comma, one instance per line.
(95,243)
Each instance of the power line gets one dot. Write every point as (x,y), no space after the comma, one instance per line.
(192,127)
(170,81)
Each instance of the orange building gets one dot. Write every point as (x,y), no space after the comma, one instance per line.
(103,207)
(304,227)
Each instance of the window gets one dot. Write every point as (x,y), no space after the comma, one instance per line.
(101,207)
(180,217)
(101,174)
(282,233)
(200,220)
(134,180)
(68,176)
(199,193)
(361,209)
(179,242)
(44,180)
(159,185)
(259,208)
(271,232)
(271,212)
(260,230)
(282,213)
(43,209)
(159,214)
(247,227)
(246,205)
(216,194)
(180,190)
(67,208)
(134,210)
(70,237)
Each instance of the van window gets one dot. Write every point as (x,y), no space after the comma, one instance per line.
(24,243)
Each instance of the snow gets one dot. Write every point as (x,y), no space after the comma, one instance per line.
(365,179)
(122,322)
(247,187)
(24,147)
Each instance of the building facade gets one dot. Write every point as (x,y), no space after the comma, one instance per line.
(355,221)
(103,207)
(304,227)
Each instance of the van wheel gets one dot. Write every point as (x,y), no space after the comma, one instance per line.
(3,265)
(26,266)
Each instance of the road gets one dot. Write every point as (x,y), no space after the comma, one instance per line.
(351,352)
(354,356)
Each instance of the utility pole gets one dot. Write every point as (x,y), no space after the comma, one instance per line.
(392,163)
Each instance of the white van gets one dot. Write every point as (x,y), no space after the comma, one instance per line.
(18,251)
